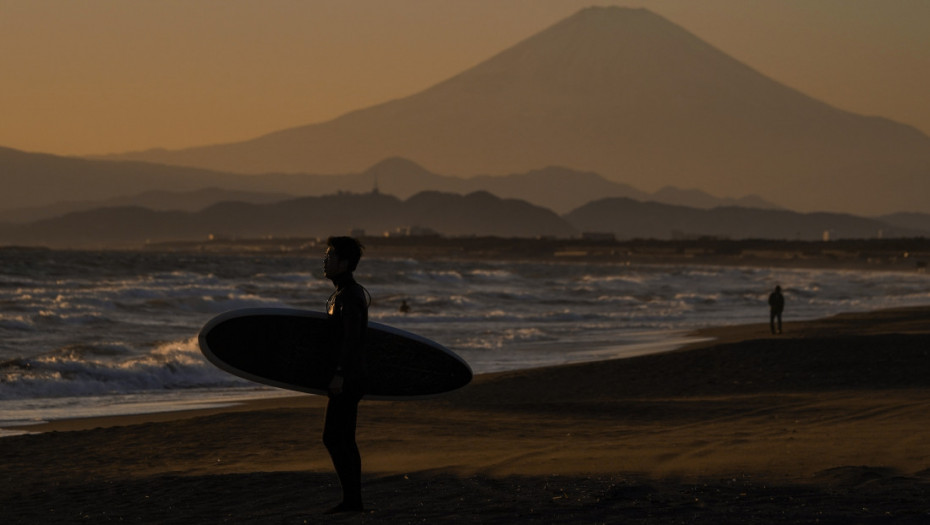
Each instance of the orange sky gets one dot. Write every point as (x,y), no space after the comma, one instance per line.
(103,76)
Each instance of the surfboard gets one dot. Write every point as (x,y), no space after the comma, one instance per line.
(288,348)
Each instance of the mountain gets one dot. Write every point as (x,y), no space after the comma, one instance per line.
(557,188)
(152,199)
(39,186)
(626,94)
(628,219)
(481,213)
(914,221)
(478,213)
(37,180)
(696,198)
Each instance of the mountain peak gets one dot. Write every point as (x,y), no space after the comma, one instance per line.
(393,166)
(612,18)
(596,48)
(623,93)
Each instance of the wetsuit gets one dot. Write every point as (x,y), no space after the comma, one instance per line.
(348,314)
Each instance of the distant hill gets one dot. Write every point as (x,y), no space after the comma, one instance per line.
(32,180)
(626,94)
(40,186)
(557,188)
(914,221)
(695,198)
(627,219)
(159,200)
(478,213)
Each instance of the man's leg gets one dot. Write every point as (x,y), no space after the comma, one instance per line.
(339,438)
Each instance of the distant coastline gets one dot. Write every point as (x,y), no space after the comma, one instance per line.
(865,254)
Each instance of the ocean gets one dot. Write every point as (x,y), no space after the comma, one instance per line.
(91,333)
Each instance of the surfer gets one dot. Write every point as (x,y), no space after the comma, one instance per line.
(348,311)
(776,307)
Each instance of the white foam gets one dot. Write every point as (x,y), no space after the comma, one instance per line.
(86,325)
(81,372)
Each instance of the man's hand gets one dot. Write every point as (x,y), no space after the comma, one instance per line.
(335,385)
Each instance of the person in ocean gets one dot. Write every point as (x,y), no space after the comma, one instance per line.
(776,307)
(347,309)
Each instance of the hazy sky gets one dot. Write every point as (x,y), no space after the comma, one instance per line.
(102,76)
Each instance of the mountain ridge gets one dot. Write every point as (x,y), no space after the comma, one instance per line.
(447,214)
(41,186)
(627,218)
(479,213)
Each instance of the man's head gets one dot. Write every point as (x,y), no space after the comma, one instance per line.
(342,255)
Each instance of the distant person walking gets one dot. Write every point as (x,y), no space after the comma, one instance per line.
(776,307)
(347,308)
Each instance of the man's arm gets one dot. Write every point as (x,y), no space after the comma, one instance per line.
(353,322)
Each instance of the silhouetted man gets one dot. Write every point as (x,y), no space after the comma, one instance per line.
(776,307)
(347,308)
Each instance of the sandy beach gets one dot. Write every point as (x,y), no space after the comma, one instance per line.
(826,423)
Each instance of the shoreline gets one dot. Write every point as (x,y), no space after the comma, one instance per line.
(829,422)
(675,340)
(670,340)
(701,338)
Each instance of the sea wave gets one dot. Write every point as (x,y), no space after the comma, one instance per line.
(96,323)
(79,370)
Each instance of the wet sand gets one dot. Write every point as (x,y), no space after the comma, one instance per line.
(826,423)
